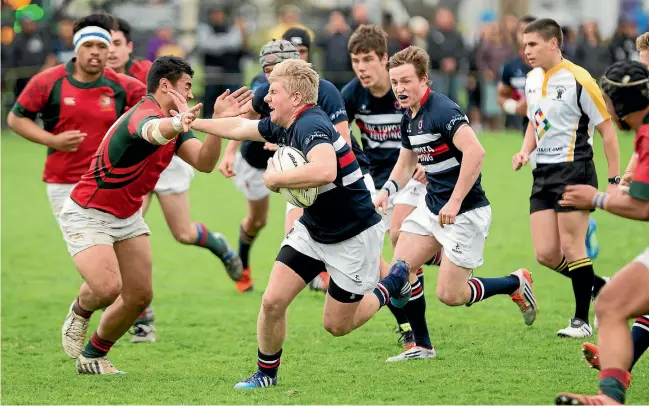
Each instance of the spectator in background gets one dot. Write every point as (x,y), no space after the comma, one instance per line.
(592,53)
(29,51)
(164,36)
(420,31)
(222,46)
(496,49)
(337,65)
(623,42)
(392,30)
(447,53)
(360,16)
(569,47)
(289,17)
(62,46)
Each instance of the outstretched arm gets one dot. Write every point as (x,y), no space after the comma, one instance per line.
(231,128)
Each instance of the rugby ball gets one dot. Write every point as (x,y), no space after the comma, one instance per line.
(286,158)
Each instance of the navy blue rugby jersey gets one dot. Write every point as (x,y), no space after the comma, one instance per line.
(430,135)
(343,208)
(514,74)
(253,151)
(379,120)
(331,102)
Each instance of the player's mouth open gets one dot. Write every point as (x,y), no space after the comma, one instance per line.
(94,61)
(403,97)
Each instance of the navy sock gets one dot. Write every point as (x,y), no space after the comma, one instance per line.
(268,364)
(420,276)
(245,242)
(392,284)
(483,288)
(640,334)
(436,259)
(416,312)
(598,284)
(399,314)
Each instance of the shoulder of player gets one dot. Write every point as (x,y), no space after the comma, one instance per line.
(580,75)
(51,75)
(314,119)
(144,109)
(326,88)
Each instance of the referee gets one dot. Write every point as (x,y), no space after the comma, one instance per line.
(564,106)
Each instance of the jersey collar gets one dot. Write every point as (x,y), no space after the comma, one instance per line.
(128,65)
(302,110)
(547,75)
(424,98)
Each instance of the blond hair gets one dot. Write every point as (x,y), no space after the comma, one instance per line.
(642,42)
(297,76)
(413,55)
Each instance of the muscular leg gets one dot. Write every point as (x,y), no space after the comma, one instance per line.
(546,240)
(573,226)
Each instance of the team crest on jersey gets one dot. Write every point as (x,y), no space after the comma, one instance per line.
(69,101)
(105,102)
(397,105)
(420,125)
(560,91)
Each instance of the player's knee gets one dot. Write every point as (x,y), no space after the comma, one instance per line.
(109,290)
(335,328)
(450,297)
(140,299)
(273,306)
(610,303)
(257,223)
(548,258)
(183,235)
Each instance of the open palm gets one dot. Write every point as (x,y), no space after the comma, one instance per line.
(233,104)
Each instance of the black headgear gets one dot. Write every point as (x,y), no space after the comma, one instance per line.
(626,83)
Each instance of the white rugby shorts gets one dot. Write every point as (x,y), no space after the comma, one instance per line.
(57,194)
(175,178)
(410,195)
(353,264)
(643,258)
(249,180)
(86,228)
(463,241)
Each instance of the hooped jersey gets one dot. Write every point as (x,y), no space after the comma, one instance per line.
(65,104)
(430,135)
(564,105)
(344,207)
(126,167)
(379,121)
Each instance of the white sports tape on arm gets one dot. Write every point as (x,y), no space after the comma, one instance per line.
(155,133)
(91,33)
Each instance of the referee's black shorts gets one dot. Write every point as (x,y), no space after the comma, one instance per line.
(550,180)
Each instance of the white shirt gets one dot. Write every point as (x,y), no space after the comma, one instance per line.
(564,105)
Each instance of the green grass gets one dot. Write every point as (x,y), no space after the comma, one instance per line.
(206,329)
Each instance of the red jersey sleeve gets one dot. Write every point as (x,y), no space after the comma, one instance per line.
(140,69)
(640,184)
(34,97)
(135,90)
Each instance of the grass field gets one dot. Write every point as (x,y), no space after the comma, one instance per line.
(206,330)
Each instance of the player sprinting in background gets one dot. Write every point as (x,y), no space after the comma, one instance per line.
(511,97)
(455,214)
(171,189)
(564,106)
(78,102)
(369,101)
(625,296)
(102,221)
(640,330)
(340,233)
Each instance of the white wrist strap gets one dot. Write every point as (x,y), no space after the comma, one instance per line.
(177,122)
(391,187)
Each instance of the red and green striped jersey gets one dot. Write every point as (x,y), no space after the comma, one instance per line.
(640,184)
(66,104)
(138,69)
(126,166)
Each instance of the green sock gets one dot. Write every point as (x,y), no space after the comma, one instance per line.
(613,388)
(212,242)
